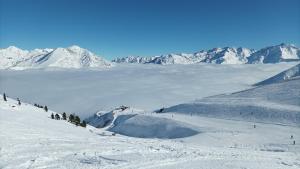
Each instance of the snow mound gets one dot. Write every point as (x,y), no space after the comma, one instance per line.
(103,119)
(274,103)
(144,126)
(131,122)
(291,73)
(100,119)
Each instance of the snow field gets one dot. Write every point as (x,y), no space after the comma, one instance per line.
(30,139)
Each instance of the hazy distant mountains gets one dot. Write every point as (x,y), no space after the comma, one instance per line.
(227,55)
(76,57)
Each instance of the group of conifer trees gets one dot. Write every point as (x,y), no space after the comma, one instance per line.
(42,107)
(72,119)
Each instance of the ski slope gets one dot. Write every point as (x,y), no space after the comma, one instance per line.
(30,139)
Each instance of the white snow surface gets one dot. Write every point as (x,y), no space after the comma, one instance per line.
(273,103)
(30,139)
(135,123)
(11,56)
(145,126)
(291,73)
(146,87)
(71,57)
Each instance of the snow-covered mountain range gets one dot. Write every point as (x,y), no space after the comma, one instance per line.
(227,55)
(77,57)
(71,57)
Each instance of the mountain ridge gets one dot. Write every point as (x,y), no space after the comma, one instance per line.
(71,57)
(227,55)
(76,57)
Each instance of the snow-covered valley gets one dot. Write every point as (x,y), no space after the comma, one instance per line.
(211,117)
(150,84)
(146,87)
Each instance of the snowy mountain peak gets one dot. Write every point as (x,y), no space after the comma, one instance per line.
(227,55)
(285,44)
(274,54)
(74,47)
(71,57)
(218,49)
(13,48)
(46,50)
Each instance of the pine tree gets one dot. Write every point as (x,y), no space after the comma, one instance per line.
(83,124)
(19,102)
(4,97)
(52,116)
(57,117)
(71,118)
(46,108)
(77,120)
(64,116)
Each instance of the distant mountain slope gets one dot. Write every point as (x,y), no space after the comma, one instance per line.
(270,102)
(76,57)
(275,54)
(227,55)
(71,57)
(12,56)
(291,73)
(274,103)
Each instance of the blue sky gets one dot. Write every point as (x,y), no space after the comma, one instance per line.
(114,28)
